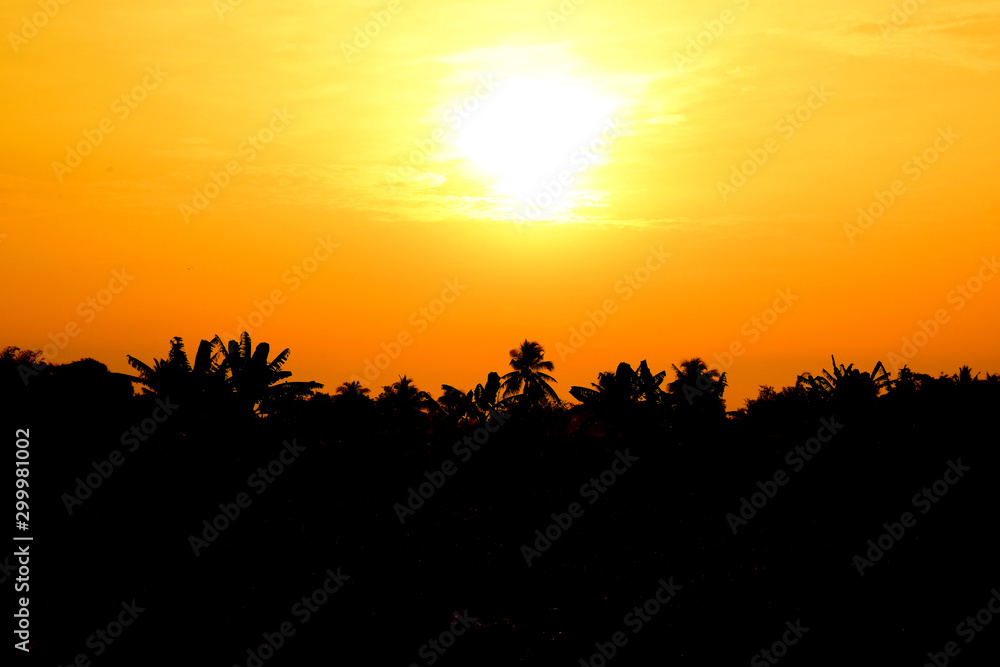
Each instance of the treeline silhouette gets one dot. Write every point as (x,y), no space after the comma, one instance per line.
(429,505)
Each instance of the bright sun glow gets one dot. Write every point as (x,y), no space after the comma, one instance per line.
(531,129)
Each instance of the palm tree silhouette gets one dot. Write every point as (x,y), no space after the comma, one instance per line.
(618,399)
(253,377)
(460,408)
(696,396)
(528,362)
(175,376)
(404,406)
(485,396)
(847,383)
(607,401)
(353,388)
(349,413)
(457,408)
(906,383)
(964,377)
(611,388)
(695,379)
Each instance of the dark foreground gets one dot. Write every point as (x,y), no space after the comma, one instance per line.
(651,560)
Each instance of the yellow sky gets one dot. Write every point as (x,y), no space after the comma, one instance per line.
(748,135)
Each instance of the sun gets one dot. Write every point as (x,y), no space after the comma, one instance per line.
(530,129)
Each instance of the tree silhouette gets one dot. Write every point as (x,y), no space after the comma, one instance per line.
(648,386)
(349,413)
(369,465)
(696,394)
(353,388)
(404,406)
(486,395)
(607,403)
(459,409)
(694,380)
(528,362)
(176,378)
(252,377)
(456,408)
(18,367)
(847,385)
(907,383)
(618,400)
(13,354)
(964,377)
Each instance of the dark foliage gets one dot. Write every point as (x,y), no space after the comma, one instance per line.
(339,503)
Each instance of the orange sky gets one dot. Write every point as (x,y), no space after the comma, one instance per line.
(361,175)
